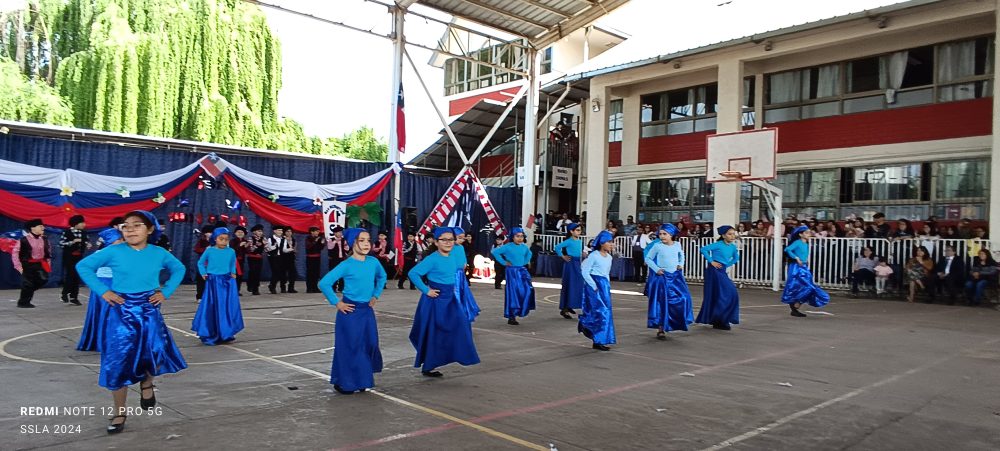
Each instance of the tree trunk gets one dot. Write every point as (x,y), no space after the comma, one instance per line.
(21,50)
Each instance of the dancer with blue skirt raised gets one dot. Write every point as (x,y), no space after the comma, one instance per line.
(721,306)
(519,297)
(596,319)
(356,354)
(219,317)
(137,344)
(463,292)
(799,286)
(92,335)
(442,330)
(669,297)
(571,250)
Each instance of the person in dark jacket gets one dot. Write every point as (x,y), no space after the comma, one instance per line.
(74,244)
(315,243)
(949,275)
(33,259)
(409,259)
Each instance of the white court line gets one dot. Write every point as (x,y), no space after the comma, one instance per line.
(326,377)
(787,419)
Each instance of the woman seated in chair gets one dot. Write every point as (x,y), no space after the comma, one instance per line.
(864,270)
(983,275)
(917,269)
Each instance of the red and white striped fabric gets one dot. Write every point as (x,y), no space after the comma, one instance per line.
(466,179)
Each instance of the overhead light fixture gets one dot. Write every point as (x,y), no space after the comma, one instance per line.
(768,45)
(882,21)
(595,105)
(677,64)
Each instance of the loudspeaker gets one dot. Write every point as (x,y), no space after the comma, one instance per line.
(410,220)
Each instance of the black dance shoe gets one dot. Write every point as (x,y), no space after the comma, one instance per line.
(65,298)
(341,390)
(255,292)
(150,402)
(75,302)
(271,289)
(601,347)
(431,373)
(796,313)
(661,335)
(565,314)
(571,311)
(116,428)
(513,322)
(28,305)
(292,290)
(721,326)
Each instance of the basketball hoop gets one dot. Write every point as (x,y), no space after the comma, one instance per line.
(732,175)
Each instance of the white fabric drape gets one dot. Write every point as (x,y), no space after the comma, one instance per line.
(828,81)
(956,61)
(786,87)
(892,69)
(85,182)
(307,190)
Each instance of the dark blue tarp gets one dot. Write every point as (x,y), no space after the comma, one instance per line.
(113,159)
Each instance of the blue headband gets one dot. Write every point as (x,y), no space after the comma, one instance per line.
(515,231)
(110,235)
(572,226)
(458,231)
(443,230)
(723,229)
(670,228)
(351,235)
(219,231)
(155,236)
(602,238)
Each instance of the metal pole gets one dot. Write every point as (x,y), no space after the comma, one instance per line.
(398,15)
(530,141)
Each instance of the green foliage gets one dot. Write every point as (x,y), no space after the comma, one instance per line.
(28,100)
(205,70)
(371,211)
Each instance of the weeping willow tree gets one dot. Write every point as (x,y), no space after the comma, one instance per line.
(205,70)
(27,100)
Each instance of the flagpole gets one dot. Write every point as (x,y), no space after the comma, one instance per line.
(398,14)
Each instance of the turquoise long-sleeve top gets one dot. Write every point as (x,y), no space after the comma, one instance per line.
(649,247)
(572,246)
(217,261)
(516,254)
(596,265)
(799,249)
(667,258)
(134,271)
(363,280)
(458,254)
(437,268)
(726,254)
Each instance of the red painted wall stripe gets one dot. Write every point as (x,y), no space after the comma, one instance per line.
(459,106)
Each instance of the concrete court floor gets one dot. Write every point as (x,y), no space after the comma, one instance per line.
(867,375)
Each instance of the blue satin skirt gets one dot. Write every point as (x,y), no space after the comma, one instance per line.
(519,297)
(463,293)
(219,317)
(93,323)
(596,320)
(137,343)
(356,355)
(722,301)
(441,332)
(670,305)
(800,288)
(571,295)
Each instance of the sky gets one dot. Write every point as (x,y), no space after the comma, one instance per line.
(336,80)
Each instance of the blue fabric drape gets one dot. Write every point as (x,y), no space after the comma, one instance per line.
(112,159)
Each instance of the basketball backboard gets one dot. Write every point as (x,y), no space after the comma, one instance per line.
(742,156)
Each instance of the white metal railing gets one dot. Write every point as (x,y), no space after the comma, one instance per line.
(830,259)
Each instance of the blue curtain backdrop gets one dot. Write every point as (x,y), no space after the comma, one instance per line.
(113,159)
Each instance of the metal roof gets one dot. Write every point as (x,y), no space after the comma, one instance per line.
(471,126)
(541,22)
(602,66)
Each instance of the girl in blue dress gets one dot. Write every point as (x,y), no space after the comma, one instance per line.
(137,344)
(219,317)
(356,354)
(596,319)
(442,331)
(92,335)
(519,297)
(571,250)
(464,291)
(799,286)
(721,305)
(669,297)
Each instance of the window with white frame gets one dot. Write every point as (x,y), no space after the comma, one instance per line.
(616,120)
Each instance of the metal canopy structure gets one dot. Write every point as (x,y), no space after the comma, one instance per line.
(541,22)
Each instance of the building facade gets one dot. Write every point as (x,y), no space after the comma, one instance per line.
(891,110)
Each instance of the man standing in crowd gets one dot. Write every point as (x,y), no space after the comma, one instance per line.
(74,244)
(275,247)
(639,242)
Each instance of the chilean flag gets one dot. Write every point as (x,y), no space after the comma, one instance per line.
(400,121)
